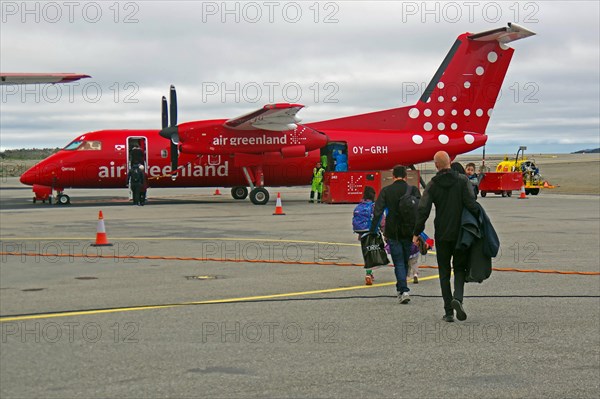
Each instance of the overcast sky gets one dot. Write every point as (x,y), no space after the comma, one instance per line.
(338,58)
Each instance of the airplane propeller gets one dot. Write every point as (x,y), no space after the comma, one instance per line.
(171,131)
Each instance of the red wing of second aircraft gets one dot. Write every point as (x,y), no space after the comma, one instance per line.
(39,78)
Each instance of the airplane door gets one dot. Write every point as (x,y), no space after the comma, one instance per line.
(336,156)
(137,151)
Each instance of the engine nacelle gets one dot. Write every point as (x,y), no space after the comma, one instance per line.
(210,137)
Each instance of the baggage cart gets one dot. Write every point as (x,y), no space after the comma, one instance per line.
(503,183)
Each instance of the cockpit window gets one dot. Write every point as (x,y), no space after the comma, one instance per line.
(81,145)
(73,145)
(90,146)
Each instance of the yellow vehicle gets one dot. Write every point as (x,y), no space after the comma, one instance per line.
(532,179)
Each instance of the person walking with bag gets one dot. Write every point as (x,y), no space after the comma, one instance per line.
(397,231)
(450,192)
(362,216)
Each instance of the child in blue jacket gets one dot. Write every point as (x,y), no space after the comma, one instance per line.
(361,221)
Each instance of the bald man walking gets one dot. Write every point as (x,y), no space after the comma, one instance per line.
(450,192)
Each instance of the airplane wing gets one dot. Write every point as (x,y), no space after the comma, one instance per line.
(38,78)
(273,117)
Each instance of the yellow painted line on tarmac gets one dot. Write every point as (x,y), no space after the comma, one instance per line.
(207,302)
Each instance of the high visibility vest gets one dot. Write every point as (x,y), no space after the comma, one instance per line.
(318,173)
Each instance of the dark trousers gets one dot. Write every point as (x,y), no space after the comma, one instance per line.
(136,189)
(446,253)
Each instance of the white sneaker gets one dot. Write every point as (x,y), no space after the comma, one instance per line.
(403,298)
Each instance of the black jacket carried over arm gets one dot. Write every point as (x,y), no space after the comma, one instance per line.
(478,237)
(450,192)
(389,199)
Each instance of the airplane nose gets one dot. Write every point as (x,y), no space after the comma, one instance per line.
(28,178)
(41,173)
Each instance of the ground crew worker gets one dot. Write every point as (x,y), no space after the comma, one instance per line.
(317,183)
(341,161)
(324,161)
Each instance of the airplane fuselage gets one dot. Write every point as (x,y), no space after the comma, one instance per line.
(104,164)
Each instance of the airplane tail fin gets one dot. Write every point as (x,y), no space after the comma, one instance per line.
(461,95)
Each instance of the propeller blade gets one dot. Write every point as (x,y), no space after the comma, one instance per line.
(165,116)
(171,131)
(174,156)
(173,100)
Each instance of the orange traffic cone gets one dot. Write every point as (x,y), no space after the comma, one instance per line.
(546,185)
(278,207)
(217,192)
(522,195)
(101,239)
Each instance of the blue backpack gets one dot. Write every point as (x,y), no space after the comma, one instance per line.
(363,214)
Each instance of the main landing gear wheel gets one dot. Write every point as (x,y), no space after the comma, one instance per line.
(239,192)
(259,196)
(63,199)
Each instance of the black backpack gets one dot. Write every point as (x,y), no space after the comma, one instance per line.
(407,213)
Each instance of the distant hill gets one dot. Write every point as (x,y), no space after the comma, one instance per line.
(594,151)
(14,162)
(27,153)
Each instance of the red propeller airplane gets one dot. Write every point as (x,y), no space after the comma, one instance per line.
(270,146)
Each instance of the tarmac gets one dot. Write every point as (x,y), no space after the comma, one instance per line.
(205,296)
